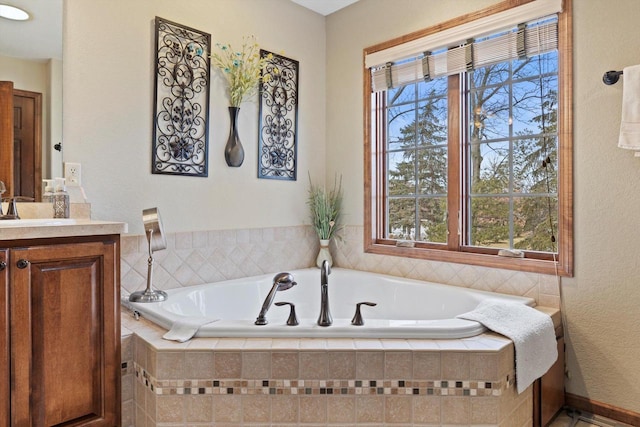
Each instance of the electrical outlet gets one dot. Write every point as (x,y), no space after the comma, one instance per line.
(72,174)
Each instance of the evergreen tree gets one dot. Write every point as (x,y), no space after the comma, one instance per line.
(422,172)
(501,162)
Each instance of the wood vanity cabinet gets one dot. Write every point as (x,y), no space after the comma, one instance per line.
(60,332)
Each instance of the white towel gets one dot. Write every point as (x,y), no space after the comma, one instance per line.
(530,330)
(630,126)
(184,329)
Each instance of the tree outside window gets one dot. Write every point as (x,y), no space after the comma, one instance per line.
(468,164)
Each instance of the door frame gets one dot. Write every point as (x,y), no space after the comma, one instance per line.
(6,136)
(7,92)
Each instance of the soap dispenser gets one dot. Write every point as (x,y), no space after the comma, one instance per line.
(60,200)
(47,197)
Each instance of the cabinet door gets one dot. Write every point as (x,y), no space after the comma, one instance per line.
(552,387)
(4,339)
(65,343)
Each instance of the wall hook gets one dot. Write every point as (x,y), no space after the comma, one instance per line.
(611,77)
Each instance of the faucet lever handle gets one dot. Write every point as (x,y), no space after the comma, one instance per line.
(292,320)
(12,208)
(357,318)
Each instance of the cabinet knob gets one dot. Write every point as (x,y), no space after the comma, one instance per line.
(22,263)
(3,265)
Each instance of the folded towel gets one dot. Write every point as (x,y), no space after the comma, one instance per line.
(630,125)
(185,328)
(530,330)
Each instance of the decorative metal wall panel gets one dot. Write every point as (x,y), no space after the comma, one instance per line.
(278,136)
(181,115)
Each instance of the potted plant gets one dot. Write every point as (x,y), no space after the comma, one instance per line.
(325,208)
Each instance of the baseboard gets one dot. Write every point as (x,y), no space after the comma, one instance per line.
(603,409)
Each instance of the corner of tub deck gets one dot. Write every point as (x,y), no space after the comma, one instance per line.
(556,317)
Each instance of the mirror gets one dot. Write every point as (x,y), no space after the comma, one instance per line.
(31,58)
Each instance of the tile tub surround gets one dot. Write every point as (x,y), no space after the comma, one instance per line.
(318,382)
(193,258)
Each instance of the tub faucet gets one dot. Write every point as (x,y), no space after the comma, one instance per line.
(281,282)
(325,314)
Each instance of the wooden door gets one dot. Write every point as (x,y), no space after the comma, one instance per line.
(4,340)
(64,321)
(27,138)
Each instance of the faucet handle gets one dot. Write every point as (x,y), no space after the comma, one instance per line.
(357,318)
(292,320)
(12,209)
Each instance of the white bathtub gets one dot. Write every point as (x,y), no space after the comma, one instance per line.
(405,308)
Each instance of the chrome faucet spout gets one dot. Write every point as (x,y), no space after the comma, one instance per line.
(325,318)
(281,282)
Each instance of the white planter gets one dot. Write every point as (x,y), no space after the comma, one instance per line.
(324,253)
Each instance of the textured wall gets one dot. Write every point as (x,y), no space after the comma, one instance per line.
(601,301)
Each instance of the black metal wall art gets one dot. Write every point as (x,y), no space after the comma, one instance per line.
(278,118)
(181,115)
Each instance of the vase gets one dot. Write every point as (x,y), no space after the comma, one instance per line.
(324,253)
(233,151)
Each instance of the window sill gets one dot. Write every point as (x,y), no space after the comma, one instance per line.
(530,265)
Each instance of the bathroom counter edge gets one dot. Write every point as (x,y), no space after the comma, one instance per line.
(68,228)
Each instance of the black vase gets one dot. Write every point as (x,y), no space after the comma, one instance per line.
(233,151)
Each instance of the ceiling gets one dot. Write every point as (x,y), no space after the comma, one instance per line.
(41,36)
(324,7)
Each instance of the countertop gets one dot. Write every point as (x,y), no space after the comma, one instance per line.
(67,227)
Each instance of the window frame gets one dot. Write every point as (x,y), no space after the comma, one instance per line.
(453,251)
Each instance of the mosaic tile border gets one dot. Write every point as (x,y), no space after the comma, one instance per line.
(322,387)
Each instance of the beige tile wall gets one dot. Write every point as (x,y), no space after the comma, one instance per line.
(237,386)
(253,382)
(202,257)
(193,258)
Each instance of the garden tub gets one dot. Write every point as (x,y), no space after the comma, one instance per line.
(405,308)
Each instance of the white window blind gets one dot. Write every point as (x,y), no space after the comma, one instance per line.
(497,38)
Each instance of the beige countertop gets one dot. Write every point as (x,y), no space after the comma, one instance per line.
(51,227)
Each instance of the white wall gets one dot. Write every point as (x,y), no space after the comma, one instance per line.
(602,301)
(52,157)
(108,94)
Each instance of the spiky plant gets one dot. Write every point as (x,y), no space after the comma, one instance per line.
(325,208)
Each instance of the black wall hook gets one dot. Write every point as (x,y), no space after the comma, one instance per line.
(611,77)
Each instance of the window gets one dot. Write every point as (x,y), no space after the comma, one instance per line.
(468,146)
